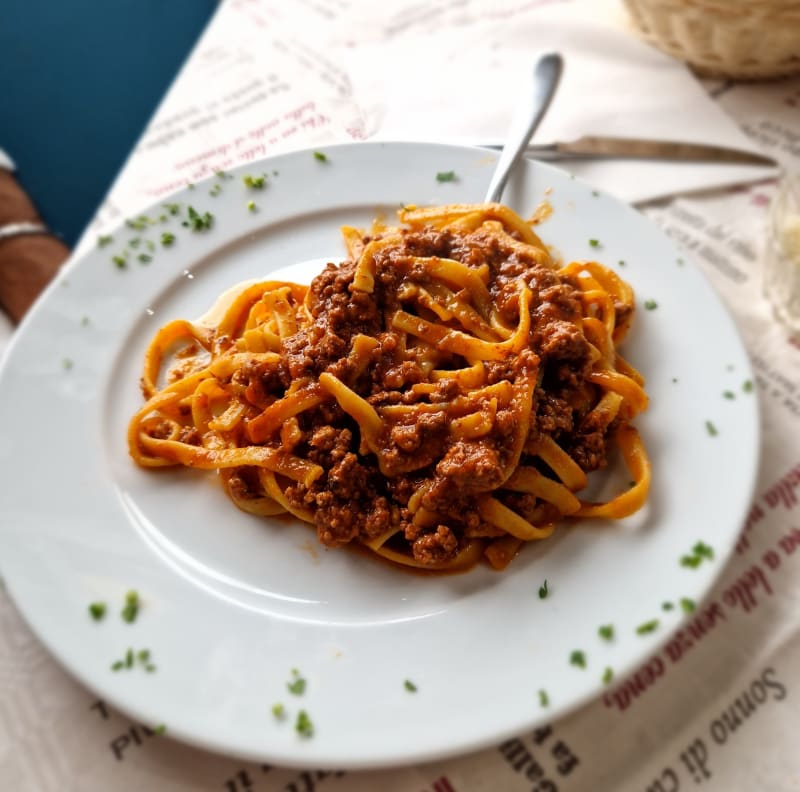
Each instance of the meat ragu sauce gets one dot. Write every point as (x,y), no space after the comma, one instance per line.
(353,499)
(456,425)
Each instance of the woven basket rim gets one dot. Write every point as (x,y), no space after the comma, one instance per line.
(730,5)
(738,11)
(718,40)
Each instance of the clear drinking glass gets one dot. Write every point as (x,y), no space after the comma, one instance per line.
(782,257)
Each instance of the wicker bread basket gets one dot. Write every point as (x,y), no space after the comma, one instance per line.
(741,39)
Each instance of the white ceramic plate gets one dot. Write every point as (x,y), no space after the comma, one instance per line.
(231,603)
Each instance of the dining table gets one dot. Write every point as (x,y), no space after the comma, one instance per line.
(716,705)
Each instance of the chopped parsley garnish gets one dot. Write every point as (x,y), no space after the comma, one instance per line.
(691,561)
(167,239)
(97,610)
(704,550)
(120,261)
(410,686)
(102,241)
(446,176)
(543,592)
(747,386)
(667,606)
(150,245)
(172,208)
(578,658)
(160,729)
(135,242)
(647,627)
(251,206)
(131,609)
(67,364)
(255,182)
(298,685)
(595,193)
(139,224)
(85,321)
(144,258)
(215,190)
(728,394)
(700,551)
(190,185)
(680,262)
(279,711)
(197,221)
(608,675)
(606,632)
(594,242)
(303,725)
(711,429)
(650,305)
(687,605)
(621,263)
(221,174)
(141,658)
(320,157)
(544,699)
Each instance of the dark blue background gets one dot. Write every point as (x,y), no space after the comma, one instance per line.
(79,79)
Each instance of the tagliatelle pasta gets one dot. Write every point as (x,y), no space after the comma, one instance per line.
(438,397)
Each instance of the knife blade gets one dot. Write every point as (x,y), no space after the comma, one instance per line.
(603,147)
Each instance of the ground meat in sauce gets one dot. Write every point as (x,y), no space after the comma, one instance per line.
(189,435)
(471,466)
(553,415)
(433,548)
(242,484)
(353,499)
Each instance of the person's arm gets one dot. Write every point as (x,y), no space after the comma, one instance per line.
(28,261)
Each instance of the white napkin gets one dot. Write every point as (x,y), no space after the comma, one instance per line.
(461,85)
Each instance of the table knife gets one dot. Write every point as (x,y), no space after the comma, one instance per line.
(602,147)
